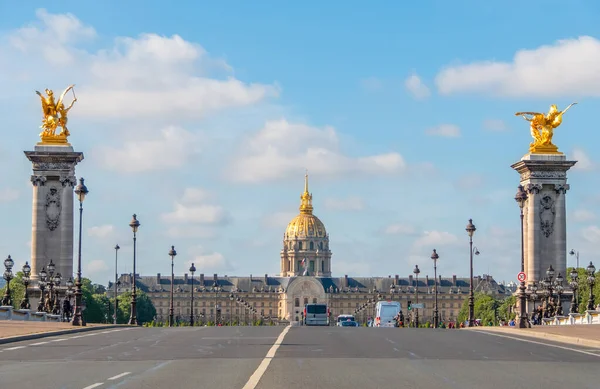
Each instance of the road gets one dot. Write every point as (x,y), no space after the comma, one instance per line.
(296,357)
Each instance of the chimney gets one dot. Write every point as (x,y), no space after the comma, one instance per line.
(158,278)
(266,280)
(345,280)
(410,280)
(185,279)
(440,280)
(427,281)
(454,280)
(396,279)
(201,279)
(215,277)
(250,279)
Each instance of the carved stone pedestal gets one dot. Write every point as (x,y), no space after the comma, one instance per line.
(544,177)
(53,181)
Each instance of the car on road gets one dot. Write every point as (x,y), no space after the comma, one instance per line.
(343,318)
(349,323)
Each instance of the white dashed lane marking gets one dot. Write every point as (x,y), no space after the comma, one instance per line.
(92,386)
(119,376)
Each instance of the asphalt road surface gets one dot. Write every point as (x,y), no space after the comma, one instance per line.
(297,357)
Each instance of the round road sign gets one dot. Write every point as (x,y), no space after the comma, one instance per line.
(521,277)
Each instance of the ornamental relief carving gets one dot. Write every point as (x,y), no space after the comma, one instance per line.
(38,180)
(52,166)
(561,188)
(53,208)
(547,214)
(70,181)
(556,174)
(533,188)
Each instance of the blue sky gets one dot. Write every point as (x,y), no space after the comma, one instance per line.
(202,118)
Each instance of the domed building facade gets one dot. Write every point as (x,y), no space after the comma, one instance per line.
(305,276)
(305,242)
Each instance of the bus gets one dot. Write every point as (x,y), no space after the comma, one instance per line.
(386,312)
(316,315)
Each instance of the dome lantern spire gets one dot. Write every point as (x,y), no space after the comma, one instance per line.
(306,198)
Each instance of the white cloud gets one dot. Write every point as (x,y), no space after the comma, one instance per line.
(96,266)
(104,231)
(433,239)
(280,148)
(584,163)
(371,84)
(207,261)
(495,125)
(591,234)
(470,181)
(279,219)
(196,232)
(8,194)
(583,215)
(196,213)
(171,149)
(195,195)
(203,214)
(566,68)
(444,130)
(416,88)
(149,76)
(399,229)
(348,204)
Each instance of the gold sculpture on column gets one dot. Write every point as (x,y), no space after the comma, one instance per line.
(55,115)
(542,129)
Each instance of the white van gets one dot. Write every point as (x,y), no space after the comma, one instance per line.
(385,313)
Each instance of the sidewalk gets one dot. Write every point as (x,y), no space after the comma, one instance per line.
(582,335)
(15,331)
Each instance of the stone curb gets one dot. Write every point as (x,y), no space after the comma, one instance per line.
(544,335)
(38,335)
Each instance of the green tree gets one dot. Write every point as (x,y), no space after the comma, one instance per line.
(144,308)
(584,288)
(17,290)
(485,308)
(505,309)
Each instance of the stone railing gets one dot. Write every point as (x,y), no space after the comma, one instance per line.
(590,317)
(9,313)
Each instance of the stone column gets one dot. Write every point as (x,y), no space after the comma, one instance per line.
(544,177)
(53,180)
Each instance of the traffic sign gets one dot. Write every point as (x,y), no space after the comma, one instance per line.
(521,277)
(419,305)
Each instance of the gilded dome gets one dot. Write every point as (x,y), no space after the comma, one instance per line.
(306,224)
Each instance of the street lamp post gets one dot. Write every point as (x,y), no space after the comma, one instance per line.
(50,301)
(67,312)
(470,231)
(172,254)
(8,276)
(57,280)
(559,292)
(416,271)
(576,254)
(591,269)
(521,198)
(231,308)
(533,296)
(81,191)
(192,270)
(116,280)
(134,224)
(26,274)
(42,285)
(574,284)
(436,317)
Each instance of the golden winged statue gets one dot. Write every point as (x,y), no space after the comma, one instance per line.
(542,128)
(55,115)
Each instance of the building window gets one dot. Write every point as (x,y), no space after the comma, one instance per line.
(262,304)
(270,312)
(322,266)
(312,266)
(305,300)
(299,245)
(314,300)
(320,245)
(297,302)
(299,265)
(312,245)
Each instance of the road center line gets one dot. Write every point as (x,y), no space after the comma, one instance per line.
(543,344)
(257,375)
(38,343)
(119,376)
(94,385)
